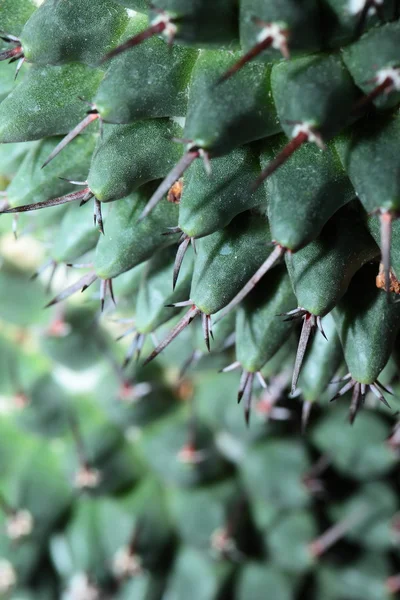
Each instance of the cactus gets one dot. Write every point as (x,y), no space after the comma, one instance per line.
(240,160)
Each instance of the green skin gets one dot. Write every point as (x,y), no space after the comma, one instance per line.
(155,291)
(34,184)
(158,77)
(76,234)
(81,31)
(127,242)
(255,578)
(341,25)
(321,363)
(289,539)
(202,23)
(380,502)
(381,43)
(321,272)
(210,203)
(226,260)
(236,112)
(164,439)
(46,102)
(300,18)
(367,325)
(7,78)
(14,15)
(259,331)
(139,5)
(129,156)
(197,575)
(304,192)
(198,513)
(369,153)
(372,569)
(316,89)
(375,230)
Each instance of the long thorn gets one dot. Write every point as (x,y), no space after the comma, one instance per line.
(305,415)
(183,246)
(335,533)
(386,242)
(300,139)
(47,203)
(83,282)
(344,390)
(249,56)
(70,136)
(309,323)
(183,323)
(373,95)
(98,218)
(242,385)
(248,392)
(170,179)
(136,40)
(251,284)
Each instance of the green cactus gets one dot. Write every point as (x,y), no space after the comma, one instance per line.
(240,159)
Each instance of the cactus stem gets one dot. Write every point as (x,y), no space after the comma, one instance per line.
(180,255)
(82,284)
(81,194)
(272,259)
(91,116)
(192,313)
(302,133)
(173,176)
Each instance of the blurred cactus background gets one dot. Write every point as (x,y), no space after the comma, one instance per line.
(243,206)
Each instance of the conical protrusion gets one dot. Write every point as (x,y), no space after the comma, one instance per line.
(82,284)
(80,195)
(92,116)
(270,36)
(272,259)
(173,176)
(302,133)
(156,28)
(192,313)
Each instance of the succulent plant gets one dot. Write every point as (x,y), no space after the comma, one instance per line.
(248,151)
